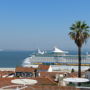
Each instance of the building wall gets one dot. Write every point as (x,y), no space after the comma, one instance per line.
(87,75)
(50,69)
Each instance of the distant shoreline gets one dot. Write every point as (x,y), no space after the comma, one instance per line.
(55,68)
(7,69)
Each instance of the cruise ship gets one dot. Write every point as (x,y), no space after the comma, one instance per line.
(55,57)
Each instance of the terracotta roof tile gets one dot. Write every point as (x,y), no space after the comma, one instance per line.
(24,69)
(2,73)
(43,84)
(43,67)
(52,88)
(75,74)
(51,75)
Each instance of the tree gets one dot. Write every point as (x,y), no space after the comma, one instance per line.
(79,33)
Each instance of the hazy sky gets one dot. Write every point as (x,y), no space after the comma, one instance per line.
(31,24)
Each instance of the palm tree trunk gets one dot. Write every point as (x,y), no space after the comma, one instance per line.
(79,61)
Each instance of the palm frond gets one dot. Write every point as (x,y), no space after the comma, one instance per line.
(79,32)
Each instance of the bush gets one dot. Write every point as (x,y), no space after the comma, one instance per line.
(72,70)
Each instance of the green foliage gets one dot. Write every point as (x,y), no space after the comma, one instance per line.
(72,70)
(79,32)
(71,84)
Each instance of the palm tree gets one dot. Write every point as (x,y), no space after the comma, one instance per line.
(79,33)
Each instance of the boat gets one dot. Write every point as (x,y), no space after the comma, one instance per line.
(54,57)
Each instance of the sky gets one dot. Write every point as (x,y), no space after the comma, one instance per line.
(32,24)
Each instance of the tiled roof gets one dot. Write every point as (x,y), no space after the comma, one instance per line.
(51,75)
(44,81)
(43,84)
(41,81)
(5,82)
(56,88)
(43,67)
(75,74)
(24,69)
(2,73)
(52,88)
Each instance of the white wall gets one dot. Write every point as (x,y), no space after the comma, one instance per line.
(50,69)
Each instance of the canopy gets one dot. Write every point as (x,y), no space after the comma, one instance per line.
(76,80)
(24,81)
(57,50)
